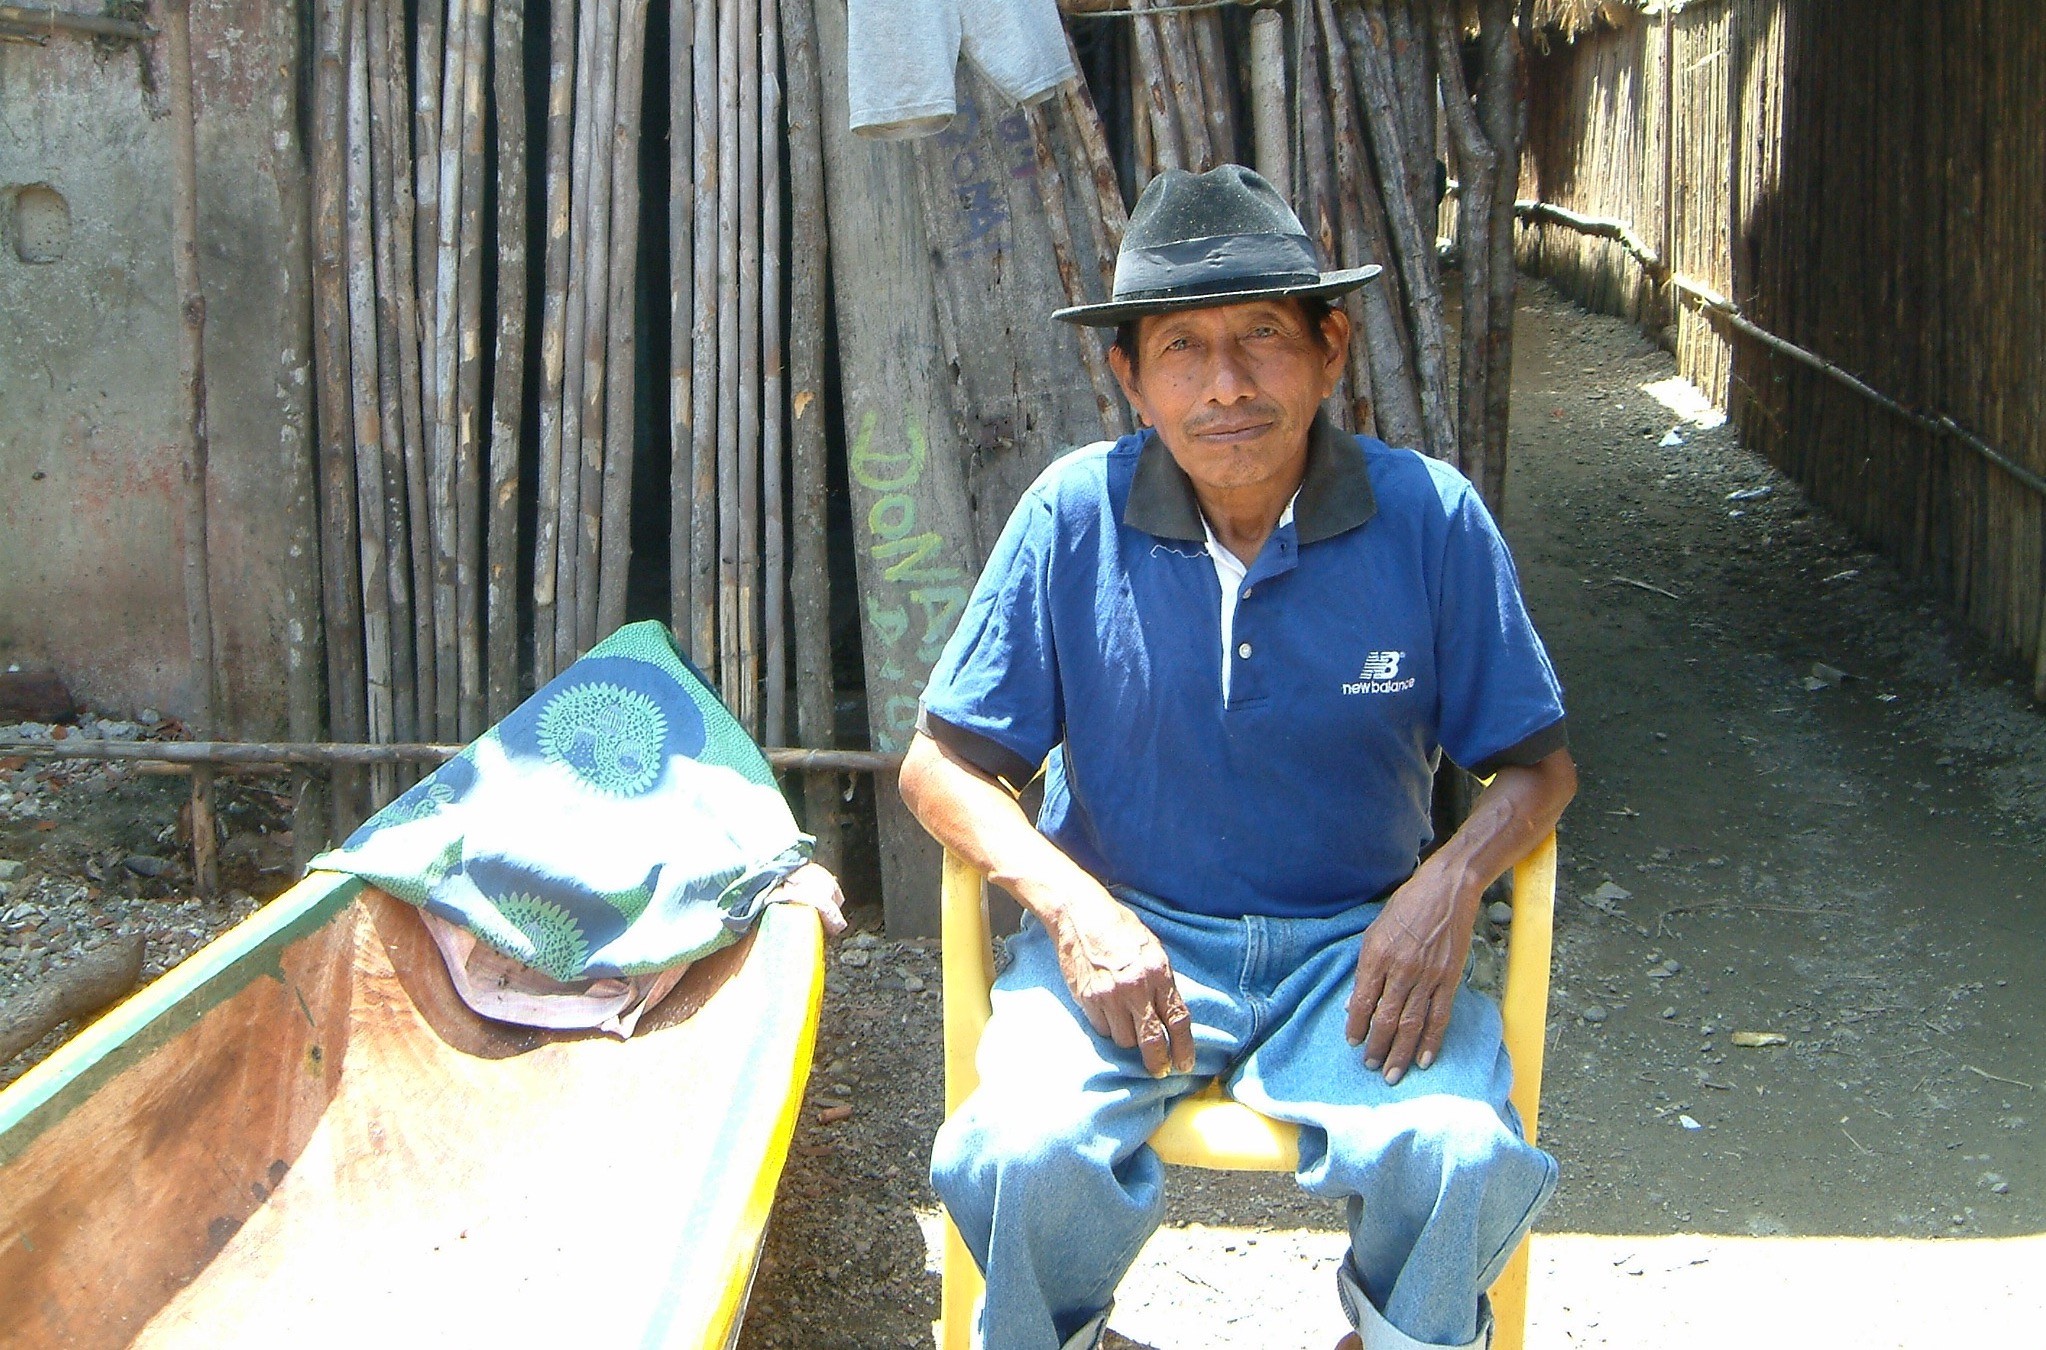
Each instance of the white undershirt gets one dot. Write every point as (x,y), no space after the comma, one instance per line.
(1230,571)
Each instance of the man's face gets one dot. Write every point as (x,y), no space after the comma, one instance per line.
(1233,389)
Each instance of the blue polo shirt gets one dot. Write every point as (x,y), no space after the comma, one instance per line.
(1378,629)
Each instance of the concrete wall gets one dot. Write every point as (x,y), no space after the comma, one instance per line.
(91,531)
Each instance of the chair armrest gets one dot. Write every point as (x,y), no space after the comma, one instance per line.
(966,956)
(1524,1001)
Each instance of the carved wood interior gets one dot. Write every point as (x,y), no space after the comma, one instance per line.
(343,1149)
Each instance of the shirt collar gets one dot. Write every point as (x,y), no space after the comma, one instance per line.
(1335,493)
(1220,551)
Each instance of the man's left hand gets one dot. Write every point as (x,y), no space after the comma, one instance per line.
(1411,959)
(1408,970)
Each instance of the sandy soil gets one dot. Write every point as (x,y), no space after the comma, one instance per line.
(1848,859)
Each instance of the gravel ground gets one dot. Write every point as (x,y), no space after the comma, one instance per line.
(91,851)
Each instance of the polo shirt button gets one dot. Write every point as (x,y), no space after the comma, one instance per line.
(1244,651)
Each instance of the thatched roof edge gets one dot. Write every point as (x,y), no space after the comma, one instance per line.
(1572,19)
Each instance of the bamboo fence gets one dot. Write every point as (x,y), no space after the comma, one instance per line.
(1834,218)
(480,411)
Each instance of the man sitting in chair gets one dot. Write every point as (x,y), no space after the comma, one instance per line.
(1243,639)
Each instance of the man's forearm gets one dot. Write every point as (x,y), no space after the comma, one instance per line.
(1516,810)
(981,821)
(1118,973)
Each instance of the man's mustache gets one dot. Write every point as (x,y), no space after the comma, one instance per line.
(1235,419)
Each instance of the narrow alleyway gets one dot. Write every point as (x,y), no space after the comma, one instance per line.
(1827,809)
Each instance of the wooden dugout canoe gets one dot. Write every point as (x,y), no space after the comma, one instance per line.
(301,1136)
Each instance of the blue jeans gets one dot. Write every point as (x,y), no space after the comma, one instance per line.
(1046,1172)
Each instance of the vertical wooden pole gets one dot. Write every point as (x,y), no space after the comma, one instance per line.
(446,402)
(1051,184)
(366,413)
(706,327)
(1268,95)
(508,375)
(1315,199)
(1110,217)
(1667,244)
(596,323)
(383,160)
(900,436)
(615,531)
(426,63)
(1478,168)
(1502,107)
(1413,246)
(1410,48)
(729,667)
(1396,398)
(1218,85)
(746,697)
(205,833)
(469,380)
(1143,145)
(341,597)
(1157,93)
(568,496)
(391,87)
(810,573)
(774,542)
(1358,242)
(192,407)
(296,484)
(1183,97)
(561,76)
(681,308)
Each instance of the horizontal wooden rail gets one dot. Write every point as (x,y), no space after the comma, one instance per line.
(1937,424)
(330,753)
(1127,9)
(1719,306)
(1602,227)
(41,18)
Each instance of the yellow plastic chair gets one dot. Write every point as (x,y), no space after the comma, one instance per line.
(1210,1130)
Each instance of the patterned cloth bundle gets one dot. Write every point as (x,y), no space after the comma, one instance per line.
(616,826)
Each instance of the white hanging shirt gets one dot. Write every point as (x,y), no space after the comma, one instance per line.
(902,58)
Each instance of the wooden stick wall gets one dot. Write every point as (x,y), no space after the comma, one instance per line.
(479,403)
(1867,189)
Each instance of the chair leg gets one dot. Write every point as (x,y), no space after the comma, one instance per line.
(959,1291)
(1509,1302)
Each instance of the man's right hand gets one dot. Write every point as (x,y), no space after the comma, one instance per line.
(1118,973)
(1123,981)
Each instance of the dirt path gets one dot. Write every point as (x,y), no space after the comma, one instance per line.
(1855,867)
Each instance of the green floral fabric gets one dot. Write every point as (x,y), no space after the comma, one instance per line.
(618,822)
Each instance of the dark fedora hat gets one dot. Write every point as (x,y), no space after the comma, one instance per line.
(1217,238)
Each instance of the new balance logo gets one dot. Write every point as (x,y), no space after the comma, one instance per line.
(1381,666)
(1380,675)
